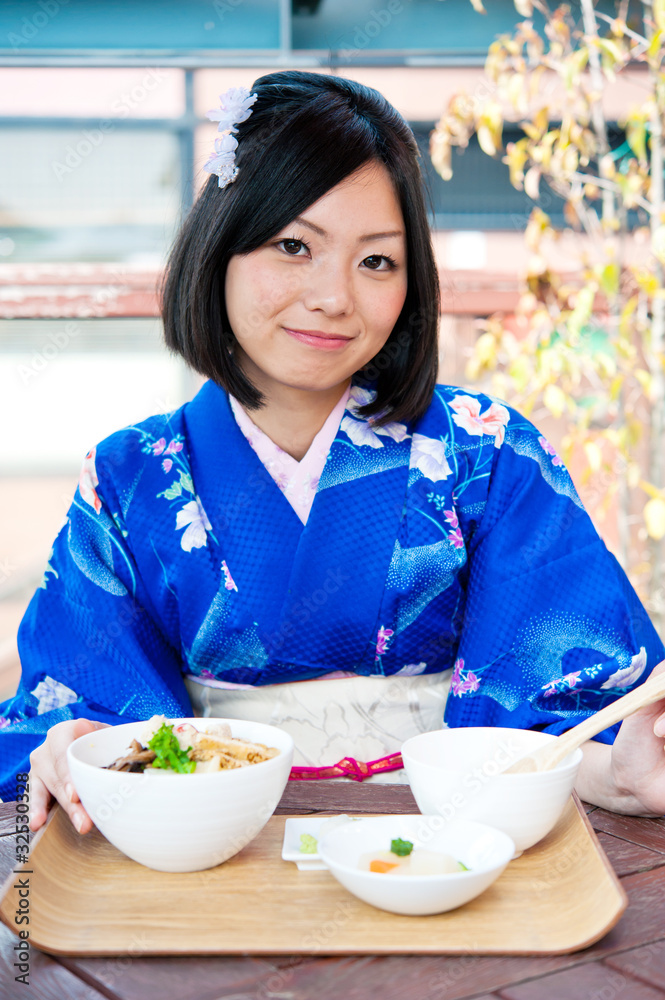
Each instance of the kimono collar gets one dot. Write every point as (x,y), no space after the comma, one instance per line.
(314,591)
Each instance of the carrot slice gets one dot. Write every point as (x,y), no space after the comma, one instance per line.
(381,866)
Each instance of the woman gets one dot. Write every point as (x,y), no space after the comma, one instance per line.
(323,538)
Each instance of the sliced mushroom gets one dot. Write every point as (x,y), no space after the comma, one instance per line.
(136,760)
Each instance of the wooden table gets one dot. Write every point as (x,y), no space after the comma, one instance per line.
(627,964)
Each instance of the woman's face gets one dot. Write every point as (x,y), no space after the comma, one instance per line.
(321,298)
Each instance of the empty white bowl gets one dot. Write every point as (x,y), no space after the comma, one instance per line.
(485,851)
(455,773)
(178,822)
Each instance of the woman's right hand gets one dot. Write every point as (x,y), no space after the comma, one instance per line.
(49,774)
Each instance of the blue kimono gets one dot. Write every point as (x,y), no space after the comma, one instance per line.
(455,541)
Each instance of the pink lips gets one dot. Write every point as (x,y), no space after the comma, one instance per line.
(316,338)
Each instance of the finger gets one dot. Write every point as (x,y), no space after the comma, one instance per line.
(40,799)
(659,726)
(63,787)
(71,792)
(50,772)
(45,785)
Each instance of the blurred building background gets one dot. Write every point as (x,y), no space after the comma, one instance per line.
(102,140)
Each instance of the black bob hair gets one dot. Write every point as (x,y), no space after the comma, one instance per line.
(306,133)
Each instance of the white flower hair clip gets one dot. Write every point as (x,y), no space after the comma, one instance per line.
(235,108)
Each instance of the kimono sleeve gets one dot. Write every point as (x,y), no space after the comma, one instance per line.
(90,643)
(553,629)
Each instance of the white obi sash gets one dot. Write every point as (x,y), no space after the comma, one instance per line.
(361,717)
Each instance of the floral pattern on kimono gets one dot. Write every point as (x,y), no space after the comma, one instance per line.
(456,542)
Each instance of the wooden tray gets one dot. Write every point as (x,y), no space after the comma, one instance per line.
(86,898)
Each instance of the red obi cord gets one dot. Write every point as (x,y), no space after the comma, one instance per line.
(348,767)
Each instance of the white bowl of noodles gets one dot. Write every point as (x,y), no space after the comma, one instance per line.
(177,822)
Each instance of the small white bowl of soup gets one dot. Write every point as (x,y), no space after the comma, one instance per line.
(437,866)
(180,822)
(456,773)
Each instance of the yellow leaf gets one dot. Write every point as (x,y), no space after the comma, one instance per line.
(654,45)
(486,140)
(520,372)
(554,399)
(515,158)
(572,67)
(531,130)
(541,119)
(594,455)
(645,379)
(485,348)
(650,490)
(658,243)
(647,281)
(633,475)
(472,369)
(606,364)
(615,388)
(609,279)
(612,49)
(441,154)
(583,307)
(626,313)
(539,223)
(490,128)
(570,160)
(516,92)
(658,10)
(606,166)
(532,183)
(654,518)
(636,136)
(635,430)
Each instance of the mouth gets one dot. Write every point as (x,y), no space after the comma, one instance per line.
(318,338)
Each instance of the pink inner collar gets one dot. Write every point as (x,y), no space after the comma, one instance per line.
(297,480)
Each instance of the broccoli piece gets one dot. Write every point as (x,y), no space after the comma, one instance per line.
(401,847)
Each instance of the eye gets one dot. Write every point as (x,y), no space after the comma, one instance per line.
(292,242)
(390,261)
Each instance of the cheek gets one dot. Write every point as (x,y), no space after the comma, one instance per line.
(385,309)
(268,292)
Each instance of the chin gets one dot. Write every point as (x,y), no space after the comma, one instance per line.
(315,381)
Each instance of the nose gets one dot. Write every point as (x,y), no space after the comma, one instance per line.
(330,289)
